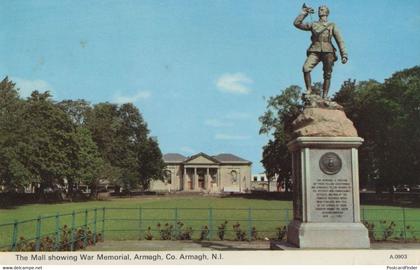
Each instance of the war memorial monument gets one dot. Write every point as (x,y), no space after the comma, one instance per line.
(325,168)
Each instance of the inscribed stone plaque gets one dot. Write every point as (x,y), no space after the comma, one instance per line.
(330,186)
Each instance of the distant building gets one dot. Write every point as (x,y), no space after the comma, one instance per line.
(204,173)
(260,182)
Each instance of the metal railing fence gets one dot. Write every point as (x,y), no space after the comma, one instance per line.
(54,232)
(78,229)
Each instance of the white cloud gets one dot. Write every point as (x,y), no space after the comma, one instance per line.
(234,83)
(237,115)
(187,150)
(217,123)
(141,95)
(221,136)
(26,87)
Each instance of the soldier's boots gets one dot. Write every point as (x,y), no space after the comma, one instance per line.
(325,88)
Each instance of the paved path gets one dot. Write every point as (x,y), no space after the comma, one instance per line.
(214,245)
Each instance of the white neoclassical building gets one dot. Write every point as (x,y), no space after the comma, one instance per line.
(204,173)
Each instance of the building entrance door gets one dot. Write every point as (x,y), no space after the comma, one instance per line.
(201,178)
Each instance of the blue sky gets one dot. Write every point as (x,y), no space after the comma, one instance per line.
(197,70)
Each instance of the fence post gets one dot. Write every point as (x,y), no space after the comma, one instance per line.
(140,222)
(177,232)
(15,233)
(210,223)
(287,215)
(363,214)
(57,231)
(249,225)
(38,233)
(405,232)
(85,227)
(73,222)
(94,225)
(103,223)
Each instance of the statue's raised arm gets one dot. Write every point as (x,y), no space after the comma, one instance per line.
(298,23)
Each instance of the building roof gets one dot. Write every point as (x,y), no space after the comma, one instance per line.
(220,158)
(230,158)
(203,155)
(173,158)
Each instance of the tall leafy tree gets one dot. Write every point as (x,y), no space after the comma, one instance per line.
(276,121)
(386,115)
(88,164)
(150,162)
(77,110)
(48,139)
(122,138)
(14,174)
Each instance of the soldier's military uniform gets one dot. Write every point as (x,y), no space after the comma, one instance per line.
(321,49)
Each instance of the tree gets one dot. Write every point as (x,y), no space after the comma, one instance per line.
(386,115)
(77,110)
(277,160)
(150,162)
(48,140)
(281,111)
(123,140)
(88,164)
(103,123)
(353,96)
(14,174)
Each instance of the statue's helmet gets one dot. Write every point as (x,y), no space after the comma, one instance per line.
(323,11)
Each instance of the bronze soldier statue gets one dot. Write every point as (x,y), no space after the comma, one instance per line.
(321,49)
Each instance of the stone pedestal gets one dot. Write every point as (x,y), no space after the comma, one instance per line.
(326,205)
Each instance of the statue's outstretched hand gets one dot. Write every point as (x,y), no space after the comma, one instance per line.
(344,60)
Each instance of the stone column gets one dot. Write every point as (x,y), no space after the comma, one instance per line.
(184,180)
(208,180)
(219,180)
(195,184)
(325,174)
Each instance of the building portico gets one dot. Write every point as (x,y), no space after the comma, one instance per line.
(204,173)
(199,178)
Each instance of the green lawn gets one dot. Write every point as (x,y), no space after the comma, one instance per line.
(129,218)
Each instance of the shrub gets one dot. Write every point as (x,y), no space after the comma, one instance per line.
(281,233)
(221,230)
(64,243)
(412,231)
(240,235)
(254,233)
(148,235)
(204,233)
(186,234)
(182,233)
(371,229)
(388,230)
(165,231)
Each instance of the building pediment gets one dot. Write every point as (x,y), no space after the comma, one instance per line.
(201,158)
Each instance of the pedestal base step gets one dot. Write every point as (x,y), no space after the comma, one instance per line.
(328,235)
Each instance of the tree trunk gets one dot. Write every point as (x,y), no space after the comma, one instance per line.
(41,193)
(93,191)
(70,192)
